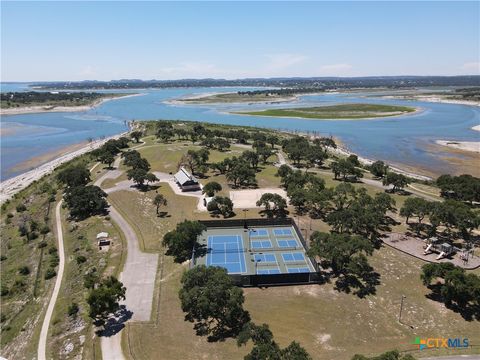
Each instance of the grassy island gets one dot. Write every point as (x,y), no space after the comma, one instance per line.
(13,100)
(239,98)
(338,112)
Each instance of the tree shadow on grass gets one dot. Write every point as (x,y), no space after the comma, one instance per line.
(274,214)
(146,188)
(115,323)
(468,311)
(400,192)
(361,286)
(163,214)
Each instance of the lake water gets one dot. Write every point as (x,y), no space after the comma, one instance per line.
(397,140)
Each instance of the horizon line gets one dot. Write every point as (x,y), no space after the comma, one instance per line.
(245,78)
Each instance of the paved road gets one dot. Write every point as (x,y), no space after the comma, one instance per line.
(42,343)
(138,274)
(111,174)
(379,185)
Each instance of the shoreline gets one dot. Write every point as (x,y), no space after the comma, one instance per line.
(365,161)
(471,146)
(468,146)
(39,160)
(343,151)
(11,186)
(37,109)
(433,99)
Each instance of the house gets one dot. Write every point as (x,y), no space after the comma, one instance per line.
(185,181)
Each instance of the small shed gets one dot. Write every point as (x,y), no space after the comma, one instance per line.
(102,235)
(186,181)
(103,239)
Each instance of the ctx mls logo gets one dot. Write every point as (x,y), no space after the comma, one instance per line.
(440,343)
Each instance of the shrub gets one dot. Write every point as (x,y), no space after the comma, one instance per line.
(9,215)
(24,270)
(50,273)
(54,260)
(21,208)
(4,290)
(42,245)
(18,285)
(45,229)
(73,309)
(3,257)
(22,229)
(81,259)
(90,280)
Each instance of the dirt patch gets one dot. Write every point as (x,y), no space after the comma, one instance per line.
(245,199)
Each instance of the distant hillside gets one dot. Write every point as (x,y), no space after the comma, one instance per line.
(324,83)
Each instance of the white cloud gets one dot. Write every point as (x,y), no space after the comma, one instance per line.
(472,67)
(335,69)
(283,61)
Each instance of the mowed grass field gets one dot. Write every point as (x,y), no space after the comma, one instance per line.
(338,112)
(328,323)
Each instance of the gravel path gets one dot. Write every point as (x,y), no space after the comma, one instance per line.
(42,342)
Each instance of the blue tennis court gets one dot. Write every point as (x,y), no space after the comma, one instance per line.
(287,243)
(298,269)
(261,249)
(265,258)
(226,251)
(296,256)
(261,244)
(282,232)
(268,271)
(258,232)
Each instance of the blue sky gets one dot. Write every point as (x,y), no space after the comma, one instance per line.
(163,40)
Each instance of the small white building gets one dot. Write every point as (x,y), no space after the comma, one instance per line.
(186,181)
(103,239)
(102,235)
